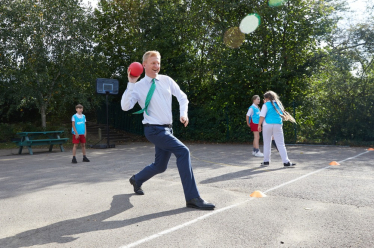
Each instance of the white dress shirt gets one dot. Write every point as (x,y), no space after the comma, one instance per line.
(159,108)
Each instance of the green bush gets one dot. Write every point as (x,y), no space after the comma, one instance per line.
(7,132)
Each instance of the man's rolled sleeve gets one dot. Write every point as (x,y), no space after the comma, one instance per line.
(129,98)
(181,97)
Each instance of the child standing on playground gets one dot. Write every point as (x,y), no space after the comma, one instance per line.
(79,132)
(272,137)
(253,117)
(271,119)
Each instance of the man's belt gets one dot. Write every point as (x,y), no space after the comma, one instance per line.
(165,125)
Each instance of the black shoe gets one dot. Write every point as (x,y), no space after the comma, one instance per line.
(74,160)
(85,159)
(200,204)
(137,190)
(265,164)
(289,165)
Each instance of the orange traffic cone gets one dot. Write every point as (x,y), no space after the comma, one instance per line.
(334,163)
(257,194)
(371,149)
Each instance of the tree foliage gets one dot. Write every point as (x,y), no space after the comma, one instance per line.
(52,51)
(341,98)
(47,54)
(280,55)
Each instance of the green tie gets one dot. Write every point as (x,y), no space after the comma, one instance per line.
(148,99)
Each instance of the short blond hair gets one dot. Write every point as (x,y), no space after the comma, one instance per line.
(151,54)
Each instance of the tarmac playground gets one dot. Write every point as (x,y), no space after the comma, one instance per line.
(46,201)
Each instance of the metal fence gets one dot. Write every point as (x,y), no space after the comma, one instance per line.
(122,120)
(224,126)
(221,127)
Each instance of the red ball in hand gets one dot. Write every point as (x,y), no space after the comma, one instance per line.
(136,69)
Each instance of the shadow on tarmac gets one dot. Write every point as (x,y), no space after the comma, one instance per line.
(59,232)
(238,174)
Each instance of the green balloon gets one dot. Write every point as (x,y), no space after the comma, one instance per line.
(276,3)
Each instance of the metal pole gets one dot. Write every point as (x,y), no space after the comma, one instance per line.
(227,125)
(294,114)
(107,119)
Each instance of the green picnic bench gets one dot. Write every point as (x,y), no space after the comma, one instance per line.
(32,139)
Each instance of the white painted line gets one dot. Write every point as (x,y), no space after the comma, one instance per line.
(225,208)
(296,179)
(353,157)
(311,173)
(182,225)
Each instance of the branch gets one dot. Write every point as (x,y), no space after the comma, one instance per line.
(353,46)
(51,92)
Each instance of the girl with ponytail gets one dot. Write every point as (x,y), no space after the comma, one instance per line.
(271,124)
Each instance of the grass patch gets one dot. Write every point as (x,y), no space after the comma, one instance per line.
(8,145)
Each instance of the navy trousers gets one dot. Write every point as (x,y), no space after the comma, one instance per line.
(165,145)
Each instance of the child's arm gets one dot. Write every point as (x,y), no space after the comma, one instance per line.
(248,116)
(85,129)
(260,123)
(263,113)
(75,130)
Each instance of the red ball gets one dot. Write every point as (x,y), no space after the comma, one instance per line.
(136,69)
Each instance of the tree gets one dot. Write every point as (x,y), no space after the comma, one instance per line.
(340,100)
(280,55)
(47,53)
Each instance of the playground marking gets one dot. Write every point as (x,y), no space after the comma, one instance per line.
(9,159)
(182,225)
(141,241)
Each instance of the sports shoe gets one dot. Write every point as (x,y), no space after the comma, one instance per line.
(253,153)
(265,164)
(85,159)
(74,160)
(259,154)
(289,164)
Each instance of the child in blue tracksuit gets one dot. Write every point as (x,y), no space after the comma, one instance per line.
(79,132)
(253,117)
(271,121)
